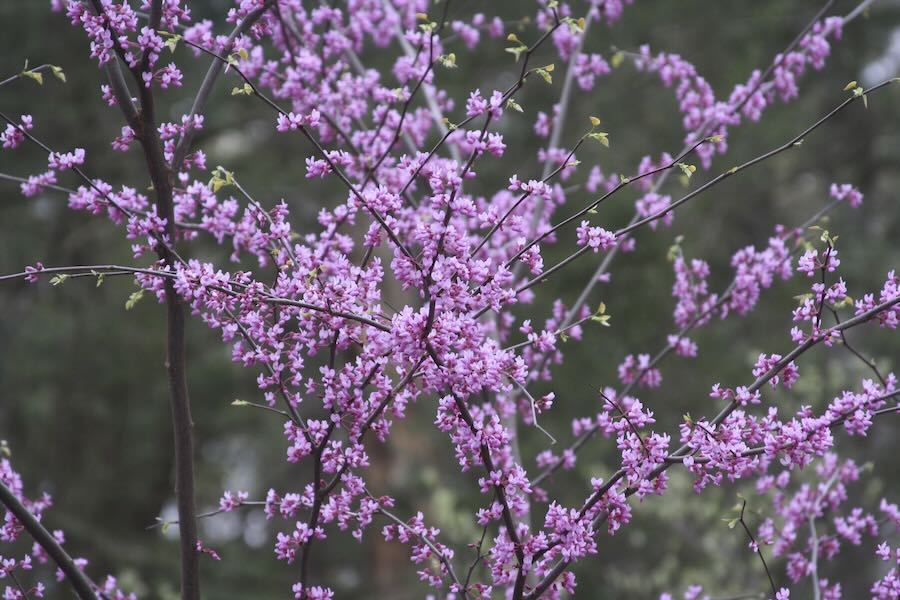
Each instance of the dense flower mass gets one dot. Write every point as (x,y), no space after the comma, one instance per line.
(341,364)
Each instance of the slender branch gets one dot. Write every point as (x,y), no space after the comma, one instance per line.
(434,549)
(160,522)
(12,78)
(212,74)
(756,548)
(83,587)
(265,299)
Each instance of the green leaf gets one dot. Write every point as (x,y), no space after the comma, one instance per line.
(448,60)
(59,279)
(600,136)
(238,402)
(58,73)
(687,169)
(674,250)
(602,319)
(172,42)
(617,59)
(510,103)
(595,121)
(575,25)
(221,178)
(35,75)
(544,72)
(133,299)
(517,51)
(242,52)
(245,90)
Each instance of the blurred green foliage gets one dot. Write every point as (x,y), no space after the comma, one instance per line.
(83,399)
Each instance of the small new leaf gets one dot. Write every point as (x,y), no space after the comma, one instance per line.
(244,90)
(239,402)
(595,121)
(220,179)
(617,59)
(58,279)
(687,169)
(242,52)
(514,105)
(674,252)
(448,60)
(133,299)
(58,73)
(850,86)
(600,136)
(602,319)
(517,51)
(545,74)
(172,42)
(35,75)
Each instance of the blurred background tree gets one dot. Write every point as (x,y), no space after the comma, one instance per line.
(83,400)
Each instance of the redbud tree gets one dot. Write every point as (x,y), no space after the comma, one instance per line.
(357,90)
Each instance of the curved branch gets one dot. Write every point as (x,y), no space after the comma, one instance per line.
(83,587)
